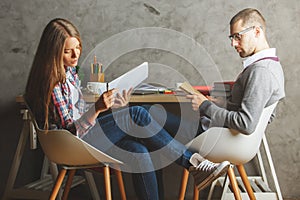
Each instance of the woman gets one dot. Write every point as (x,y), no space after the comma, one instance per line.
(128,134)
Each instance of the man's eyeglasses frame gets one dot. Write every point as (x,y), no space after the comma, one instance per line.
(238,36)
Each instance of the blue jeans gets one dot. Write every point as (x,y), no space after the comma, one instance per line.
(183,127)
(134,137)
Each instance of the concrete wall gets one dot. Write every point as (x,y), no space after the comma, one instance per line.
(199,51)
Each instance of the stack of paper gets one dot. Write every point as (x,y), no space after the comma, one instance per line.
(147,88)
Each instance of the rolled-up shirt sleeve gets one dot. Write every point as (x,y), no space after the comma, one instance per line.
(84,123)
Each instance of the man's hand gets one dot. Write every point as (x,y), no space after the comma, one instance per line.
(122,100)
(105,101)
(219,101)
(196,100)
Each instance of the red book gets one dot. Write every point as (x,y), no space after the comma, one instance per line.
(204,89)
(223,85)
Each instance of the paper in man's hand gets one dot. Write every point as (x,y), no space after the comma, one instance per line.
(188,88)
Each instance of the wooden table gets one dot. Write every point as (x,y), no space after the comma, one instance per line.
(148,98)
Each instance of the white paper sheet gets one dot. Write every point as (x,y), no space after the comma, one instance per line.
(130,79)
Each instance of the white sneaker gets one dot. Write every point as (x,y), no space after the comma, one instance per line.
(205,171)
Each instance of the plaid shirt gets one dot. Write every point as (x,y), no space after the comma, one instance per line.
(62,100)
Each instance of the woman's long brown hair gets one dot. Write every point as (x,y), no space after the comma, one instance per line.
(47,69)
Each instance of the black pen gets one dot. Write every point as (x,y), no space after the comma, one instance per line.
(106,86)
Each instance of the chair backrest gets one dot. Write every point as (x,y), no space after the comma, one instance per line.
(218,144)
(62,147)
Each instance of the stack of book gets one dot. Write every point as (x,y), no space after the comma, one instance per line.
(204,89)
(222,89)
(188,88)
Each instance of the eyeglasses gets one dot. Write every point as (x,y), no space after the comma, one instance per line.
(238,36)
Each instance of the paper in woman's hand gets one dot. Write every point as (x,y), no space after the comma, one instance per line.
(130,79)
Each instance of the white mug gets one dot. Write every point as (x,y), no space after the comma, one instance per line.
(96,87)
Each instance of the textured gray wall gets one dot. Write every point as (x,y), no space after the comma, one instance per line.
(206,22)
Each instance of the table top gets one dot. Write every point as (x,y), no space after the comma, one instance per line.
(147,98)
(156,98)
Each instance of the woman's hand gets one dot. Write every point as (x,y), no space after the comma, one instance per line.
(122,100)
(105,101)
(196,100)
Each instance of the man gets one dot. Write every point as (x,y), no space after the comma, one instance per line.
(260,84)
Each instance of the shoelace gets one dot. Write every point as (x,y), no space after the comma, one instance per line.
(206,165)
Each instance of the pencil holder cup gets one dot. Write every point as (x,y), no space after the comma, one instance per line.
(97,77)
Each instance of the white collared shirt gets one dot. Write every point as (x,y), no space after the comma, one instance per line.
(74,96)
(262,54)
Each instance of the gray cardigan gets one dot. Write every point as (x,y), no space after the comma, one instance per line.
(259,85)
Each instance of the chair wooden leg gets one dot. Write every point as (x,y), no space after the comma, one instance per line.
(196,193)
(184,180)
(120,184)
(246,182)
(68,184)
(107,182)
(58,183)
(234,184)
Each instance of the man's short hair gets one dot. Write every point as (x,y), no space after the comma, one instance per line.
(249,17)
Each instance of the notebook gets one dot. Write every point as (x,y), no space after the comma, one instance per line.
(130,79)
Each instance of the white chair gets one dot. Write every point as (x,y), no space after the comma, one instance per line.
(71,153)
(218,144)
